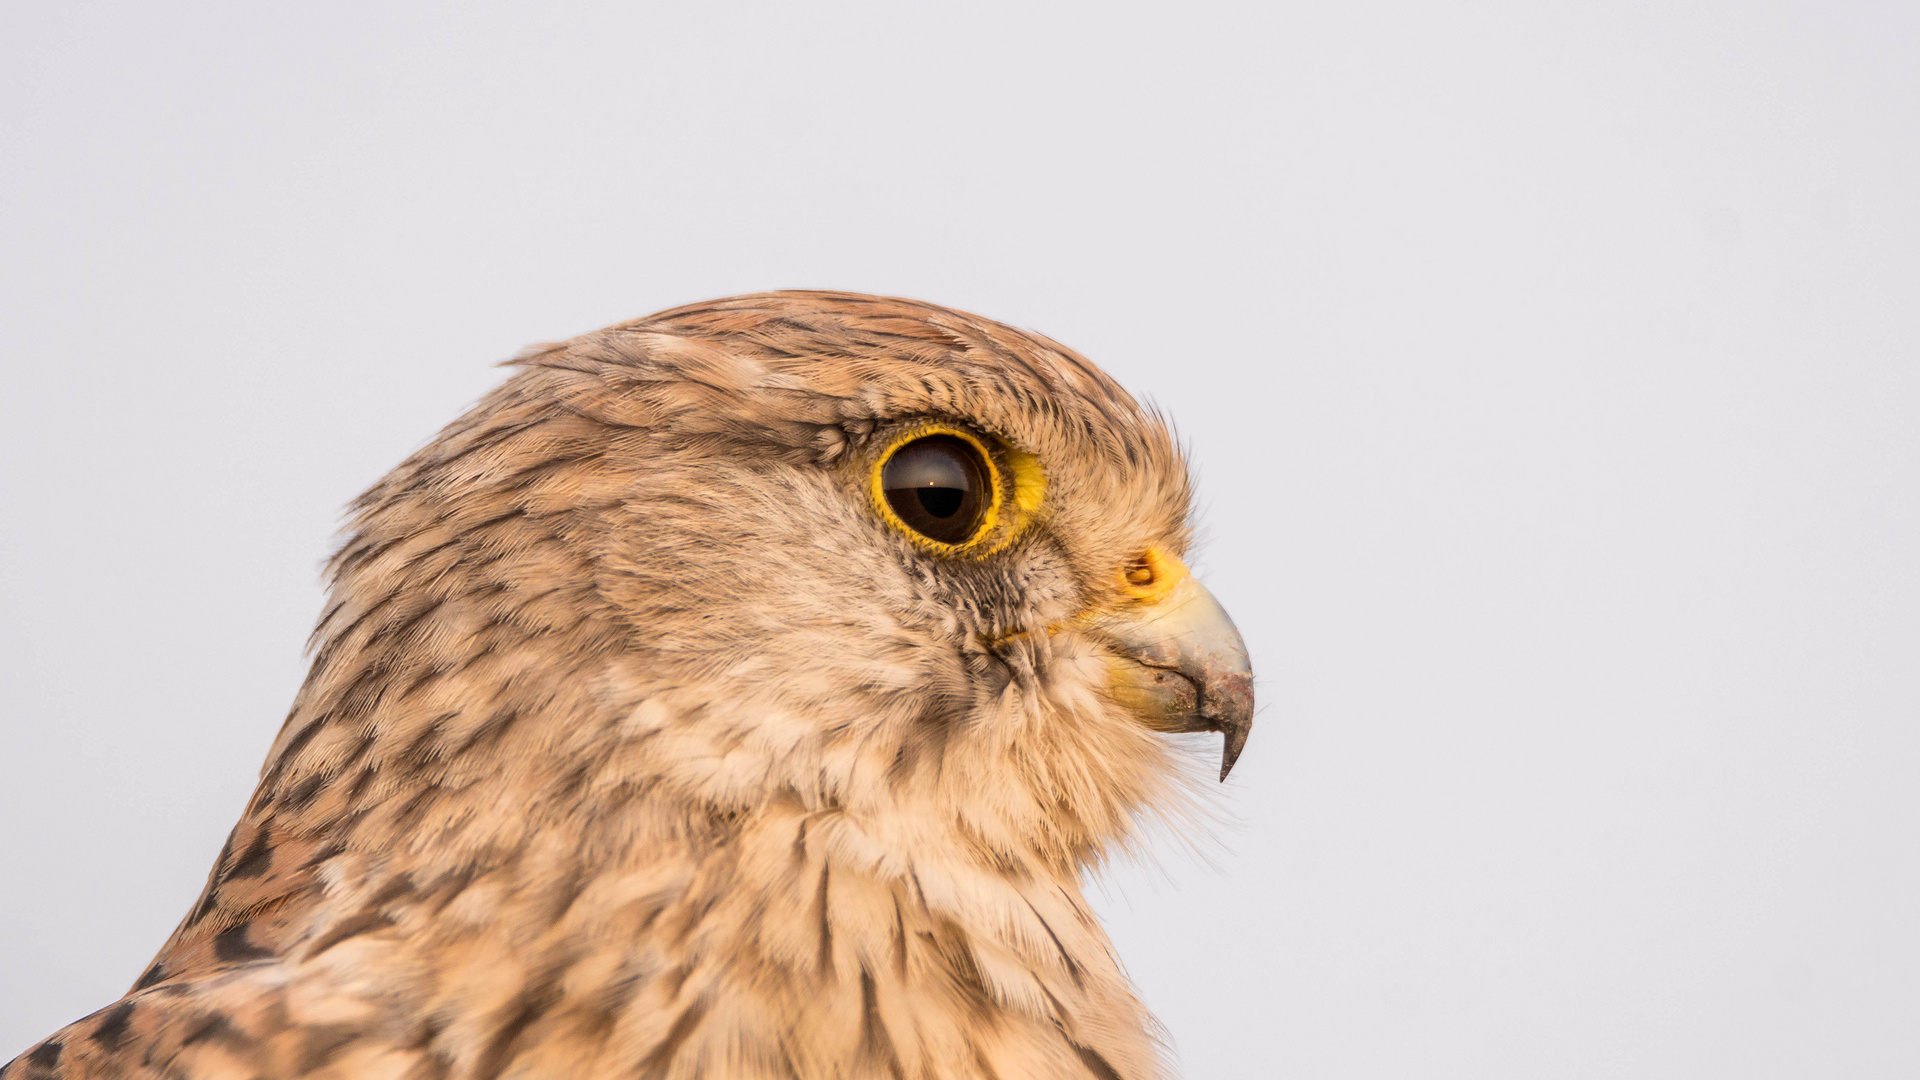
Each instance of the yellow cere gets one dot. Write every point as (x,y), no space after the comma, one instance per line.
(1157,573)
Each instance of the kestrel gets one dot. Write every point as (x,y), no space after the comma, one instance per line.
(741,692)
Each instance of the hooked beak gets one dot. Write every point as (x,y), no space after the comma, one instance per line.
(1178,661)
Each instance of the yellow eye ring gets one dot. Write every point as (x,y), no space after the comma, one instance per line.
(950,490)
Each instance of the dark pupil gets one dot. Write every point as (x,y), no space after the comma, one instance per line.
(937,485)
(941,502)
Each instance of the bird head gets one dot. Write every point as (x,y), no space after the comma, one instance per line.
(827,549)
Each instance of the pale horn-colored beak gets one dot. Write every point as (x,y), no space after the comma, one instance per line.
(1178,661)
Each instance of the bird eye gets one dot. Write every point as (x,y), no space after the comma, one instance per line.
(938,485)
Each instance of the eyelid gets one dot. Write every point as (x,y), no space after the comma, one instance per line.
(1015,482)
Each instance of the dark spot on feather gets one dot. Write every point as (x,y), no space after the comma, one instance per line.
(611,999)
(292,750)
(323,658)
(47,1054)
(361,782)
(113,1026)
(656,1063)
(498,1054)
(232,945)
(904,760)
(826,924)
(503,516)
(698,914)
(443,890)
(401,630)
(490,729)
(397,886)
(303,792)
(1073,966)
(1096,1064)
(899,939)
(800,839)
(213,1027)
(573,783)
(254,861)
(321,855)
(427,675)
(422,749)
(652,916)
(360,699)
(415,807)
(150,976)
(675,979)
(874,1040)
(968,984)
(559,896)
(788,322)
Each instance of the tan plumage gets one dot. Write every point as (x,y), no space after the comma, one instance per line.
(637,743)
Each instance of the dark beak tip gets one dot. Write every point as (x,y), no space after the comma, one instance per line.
(1236,740)
(1231,706)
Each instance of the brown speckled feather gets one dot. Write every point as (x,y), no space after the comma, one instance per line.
(636,744)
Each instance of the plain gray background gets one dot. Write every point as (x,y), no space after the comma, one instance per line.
(1552,375)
